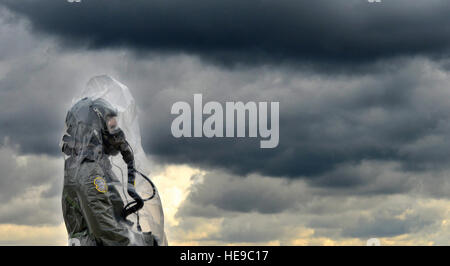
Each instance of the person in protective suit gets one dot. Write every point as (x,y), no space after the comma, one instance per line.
(93,209)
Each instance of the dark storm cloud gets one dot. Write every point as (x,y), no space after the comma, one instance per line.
(354,145)
(223,192)
(32,113)
(37,84)
(325,121)
(249,31)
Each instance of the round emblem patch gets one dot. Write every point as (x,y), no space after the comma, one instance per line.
(100,184)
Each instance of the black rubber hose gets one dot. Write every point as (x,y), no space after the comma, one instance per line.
(138,203)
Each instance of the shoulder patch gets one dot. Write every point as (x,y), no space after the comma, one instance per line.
(100,184)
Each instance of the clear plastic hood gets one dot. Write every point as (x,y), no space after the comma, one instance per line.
(151,216)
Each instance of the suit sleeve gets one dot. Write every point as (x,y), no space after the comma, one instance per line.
(99,213)
(128,157)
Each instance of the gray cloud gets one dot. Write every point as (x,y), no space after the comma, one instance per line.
(37,84)
(30,187)
(326,211)
(254,193)
(325,120)
(234,32)
(352,144)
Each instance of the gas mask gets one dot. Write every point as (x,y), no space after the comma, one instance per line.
(107,115)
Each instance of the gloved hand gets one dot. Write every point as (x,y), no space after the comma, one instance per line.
(133,206)
(131,186)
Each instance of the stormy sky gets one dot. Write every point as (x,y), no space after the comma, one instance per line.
(364,114)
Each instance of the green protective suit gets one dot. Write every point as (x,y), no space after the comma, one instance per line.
(91,203)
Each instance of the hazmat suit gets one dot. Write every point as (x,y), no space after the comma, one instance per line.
(98,207)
